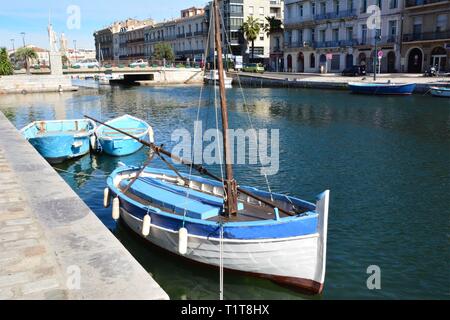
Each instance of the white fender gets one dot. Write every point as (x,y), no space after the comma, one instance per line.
(116,209)
(182,241)
(93,140)
(106,198)
(146,225)
(151,137)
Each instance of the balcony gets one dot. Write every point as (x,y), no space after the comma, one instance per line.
(135,40)
(385,40)
(426,36)
(200,33)
(188,34)
(336,15)
(298,44)
(182,35)
(420,3)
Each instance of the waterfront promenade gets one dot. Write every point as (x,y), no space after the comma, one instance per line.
(52,246)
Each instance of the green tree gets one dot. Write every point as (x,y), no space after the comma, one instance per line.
(65,60)
(27,55)
(6,67)
(251,29)
(273,25)
(163,51)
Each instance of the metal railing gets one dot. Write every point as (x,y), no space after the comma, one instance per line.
(415,3)
(426,36)
(335,15)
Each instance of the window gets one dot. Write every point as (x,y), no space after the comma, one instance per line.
(417,26)
(250,10)
(335,34)
(350,5)
(313,35)
(261,38)
(349,33)
(323,7)
(441,22)
(300,36)
(312,61)
(236,9)
(261,11)
(336,6)
(322,35)
(392,28)
(364,34)
(300,9)
(313,8)
(363,6)
(379,2)
(393,4)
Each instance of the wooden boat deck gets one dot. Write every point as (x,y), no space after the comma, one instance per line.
(251,211)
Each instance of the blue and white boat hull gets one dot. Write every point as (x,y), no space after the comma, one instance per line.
(440,92)
(57,146)
(382,88)
(290,251)
(120,145)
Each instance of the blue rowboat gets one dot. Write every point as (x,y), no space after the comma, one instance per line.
(59,140)
(185,217)
(440,92)
(388,88)
(117,144)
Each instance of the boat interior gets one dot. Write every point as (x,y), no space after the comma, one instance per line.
(57,127)
(199,200)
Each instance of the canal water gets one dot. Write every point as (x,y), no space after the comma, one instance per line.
(386,161)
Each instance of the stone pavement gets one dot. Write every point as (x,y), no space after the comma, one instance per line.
(52,246)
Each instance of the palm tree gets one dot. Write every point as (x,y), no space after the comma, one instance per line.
(251,29)
(27,55)
(273,25)
(5,64)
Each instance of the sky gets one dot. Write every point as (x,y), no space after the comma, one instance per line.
(77,19)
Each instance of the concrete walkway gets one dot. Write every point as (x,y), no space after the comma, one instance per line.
(52,246)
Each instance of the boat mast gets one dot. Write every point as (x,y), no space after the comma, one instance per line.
(230,186)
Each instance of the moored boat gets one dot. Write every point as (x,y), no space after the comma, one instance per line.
(213,78)
(259,240)
(378,88)
(440,91)
(59,140)
(117,144)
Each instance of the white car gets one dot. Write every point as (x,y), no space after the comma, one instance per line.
(138,63)
(87,63)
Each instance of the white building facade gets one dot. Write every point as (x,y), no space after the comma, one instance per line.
(331,35)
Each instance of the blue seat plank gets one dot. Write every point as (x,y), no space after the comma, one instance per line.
(176,202)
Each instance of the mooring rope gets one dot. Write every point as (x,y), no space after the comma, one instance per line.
(82,174)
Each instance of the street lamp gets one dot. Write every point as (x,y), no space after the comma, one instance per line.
(375,58)
(23,38)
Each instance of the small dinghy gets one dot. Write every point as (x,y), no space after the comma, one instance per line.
(59,140)
(440,92)
(117,144)
(375,88)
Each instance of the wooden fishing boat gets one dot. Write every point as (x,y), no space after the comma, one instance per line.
(118,144)
(377,88)
(215,221)
(440,91)
(59,140)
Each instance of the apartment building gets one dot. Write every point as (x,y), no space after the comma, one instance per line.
(426,35)
(186,35)
(235,12)
(122,40)
(331,35)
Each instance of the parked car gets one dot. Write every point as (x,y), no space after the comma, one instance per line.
(354,71)
(254,67)
(86,63)
(138,63)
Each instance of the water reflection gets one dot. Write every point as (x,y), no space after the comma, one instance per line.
(385,159)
